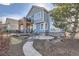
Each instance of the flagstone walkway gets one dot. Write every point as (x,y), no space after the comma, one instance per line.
(29,50)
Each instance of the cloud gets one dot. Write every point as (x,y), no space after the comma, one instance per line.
(17,17)
(3,19)
(45,5)
(39,4)
(5,3)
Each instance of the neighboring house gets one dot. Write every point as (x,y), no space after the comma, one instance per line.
(42,22)
(2,26)
(25,25)
(12,24)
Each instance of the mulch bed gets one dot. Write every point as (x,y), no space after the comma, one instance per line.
(17,49)
(62,48)
(4,43)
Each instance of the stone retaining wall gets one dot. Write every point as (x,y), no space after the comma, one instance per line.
(42,46)
(63,48)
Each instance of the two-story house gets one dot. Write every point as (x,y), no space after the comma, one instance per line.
(2,26)
(42,22)
(12,24)
(25,25)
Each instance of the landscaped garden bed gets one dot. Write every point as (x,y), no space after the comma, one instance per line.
(4,43)
(62,48)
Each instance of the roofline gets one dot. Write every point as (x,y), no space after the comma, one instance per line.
(38,7)
(11,19)
(24,18)
(29,11)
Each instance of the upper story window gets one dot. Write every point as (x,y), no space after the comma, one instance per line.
(37,16)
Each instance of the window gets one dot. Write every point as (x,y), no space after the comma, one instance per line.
(37,16)
(38,26)
(41,26)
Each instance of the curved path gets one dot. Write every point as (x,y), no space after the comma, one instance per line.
(29,50)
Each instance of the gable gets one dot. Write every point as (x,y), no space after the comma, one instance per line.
(34,10)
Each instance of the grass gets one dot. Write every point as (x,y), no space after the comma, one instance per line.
(15,40)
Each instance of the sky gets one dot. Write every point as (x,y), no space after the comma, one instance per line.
(19,10)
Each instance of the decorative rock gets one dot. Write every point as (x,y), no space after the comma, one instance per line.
(43,37)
